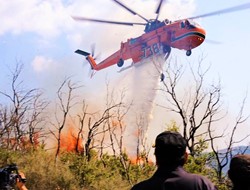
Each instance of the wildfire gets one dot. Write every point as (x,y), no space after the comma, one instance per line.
(141,161)
(70,141)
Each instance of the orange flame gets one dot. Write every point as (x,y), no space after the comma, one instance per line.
(69,141)
(141,161)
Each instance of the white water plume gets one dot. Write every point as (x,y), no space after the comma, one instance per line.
(146,78)
(142,82)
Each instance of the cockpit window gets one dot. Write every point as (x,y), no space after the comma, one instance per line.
(188,24)
(193,23)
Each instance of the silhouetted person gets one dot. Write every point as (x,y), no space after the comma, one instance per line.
(239,172)
(170,153)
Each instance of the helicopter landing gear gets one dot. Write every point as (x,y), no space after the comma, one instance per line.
(120,63)
(166,50)
(189,52)
(162,77)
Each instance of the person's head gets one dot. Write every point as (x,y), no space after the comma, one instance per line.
(239,170)
(170,149)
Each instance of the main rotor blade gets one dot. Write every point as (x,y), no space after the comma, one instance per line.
(223,11)
(130,10)
(158,9)
(106,21)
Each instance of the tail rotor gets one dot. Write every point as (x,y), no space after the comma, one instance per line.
(95,57)
(91,58)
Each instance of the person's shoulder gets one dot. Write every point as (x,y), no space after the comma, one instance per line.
(197,180)
(203,181)
(149,184)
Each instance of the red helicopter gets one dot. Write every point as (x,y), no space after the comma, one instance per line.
(158,37)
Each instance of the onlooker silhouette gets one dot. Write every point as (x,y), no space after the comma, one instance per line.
(239,172)
(170,153)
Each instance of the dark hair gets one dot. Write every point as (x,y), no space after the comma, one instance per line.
(239,171)
(170,148)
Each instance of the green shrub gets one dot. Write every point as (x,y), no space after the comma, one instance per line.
(75,172)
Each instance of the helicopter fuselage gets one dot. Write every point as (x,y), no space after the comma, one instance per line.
(159,37)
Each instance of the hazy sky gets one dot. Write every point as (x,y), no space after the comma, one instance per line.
(42,35)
